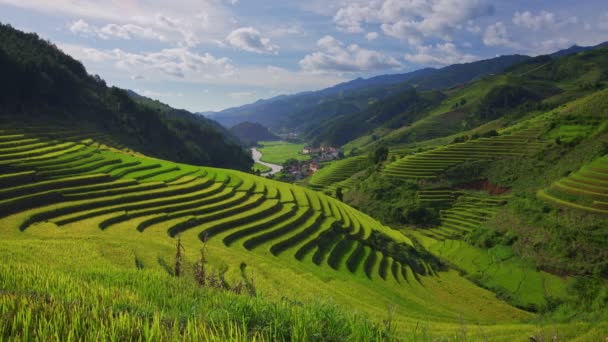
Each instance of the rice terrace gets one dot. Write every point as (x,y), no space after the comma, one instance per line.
(420,172)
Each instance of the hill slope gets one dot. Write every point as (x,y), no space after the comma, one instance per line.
(41,83)
(250,133)
(309,110)
(76,196)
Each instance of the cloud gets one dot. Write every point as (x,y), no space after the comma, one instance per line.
(250,39)
(332,55)
(350,18)
(439,55)
(551,45)
(81,27)
(174,62)
(412,20)
(189,24)
(371,36)
(115,31)
(534,22)
(544,20)
(203,70)
(497,35)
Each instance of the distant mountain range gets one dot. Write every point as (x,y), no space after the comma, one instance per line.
(304,111)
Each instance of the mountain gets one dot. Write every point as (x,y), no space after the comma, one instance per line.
(538,83)
(301,112)
(249,133)
(41,83)
(574,49)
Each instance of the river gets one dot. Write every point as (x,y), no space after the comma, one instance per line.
(256,157)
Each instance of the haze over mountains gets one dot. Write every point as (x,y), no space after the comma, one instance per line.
(302,111)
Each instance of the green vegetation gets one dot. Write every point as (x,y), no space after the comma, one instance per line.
(116,227)
(257,167)
(250,133)
(278,152)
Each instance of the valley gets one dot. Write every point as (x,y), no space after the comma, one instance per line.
(467,202)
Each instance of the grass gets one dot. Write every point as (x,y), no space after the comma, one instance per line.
(261,168)
(278,152)
(81,268)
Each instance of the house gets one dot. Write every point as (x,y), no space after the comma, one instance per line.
(311,150)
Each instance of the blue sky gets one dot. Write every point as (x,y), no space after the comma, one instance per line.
(212,54)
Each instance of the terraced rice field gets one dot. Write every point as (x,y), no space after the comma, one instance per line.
(431,164)
(585,189)
(437,198)
(337,171)
(468,211)
(65,203)
(67,182)
(497,268)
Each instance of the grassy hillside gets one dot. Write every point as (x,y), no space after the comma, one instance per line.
(535,86)
(519,210)
(89,232)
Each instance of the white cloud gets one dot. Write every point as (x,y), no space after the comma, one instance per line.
(534,22)
(350,18)
(412,20)
(332,55)
(204,70)
(438,55)
(81,27)
(115,31)
(544,20)
(371,36)
(250,39)
(174,62)
(497,35)
(189,24)
(551,45)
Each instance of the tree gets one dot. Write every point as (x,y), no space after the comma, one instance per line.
(380,154)
(339,194)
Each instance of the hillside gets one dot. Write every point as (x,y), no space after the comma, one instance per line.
(41,83)
(308,111)
(497,206)
(112,211)
(249,133)
(536,85)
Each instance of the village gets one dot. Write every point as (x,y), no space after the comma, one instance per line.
(294,170)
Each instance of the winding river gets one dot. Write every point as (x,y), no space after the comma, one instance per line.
(257,155)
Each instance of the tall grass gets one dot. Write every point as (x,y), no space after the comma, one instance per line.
(39,304)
